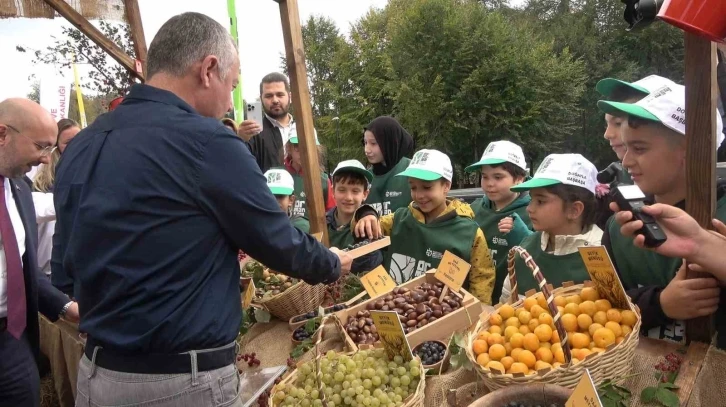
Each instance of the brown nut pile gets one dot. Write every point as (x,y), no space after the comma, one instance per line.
(415,308)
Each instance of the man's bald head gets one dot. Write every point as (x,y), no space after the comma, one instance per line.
(26,129)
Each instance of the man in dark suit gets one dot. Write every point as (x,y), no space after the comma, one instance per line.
(27,137)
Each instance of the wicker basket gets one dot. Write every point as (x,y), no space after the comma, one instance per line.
(414,400)
(299,299)
(614,363)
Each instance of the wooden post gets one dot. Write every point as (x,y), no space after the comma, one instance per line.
(133,16)
(80,22)
(701,94)
(295,53)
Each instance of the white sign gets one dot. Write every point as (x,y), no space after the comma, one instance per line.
(55,95)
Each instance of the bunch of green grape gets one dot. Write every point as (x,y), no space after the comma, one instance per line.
(365,379)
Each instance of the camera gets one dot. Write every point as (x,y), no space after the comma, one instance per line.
(641,13)
(609,174)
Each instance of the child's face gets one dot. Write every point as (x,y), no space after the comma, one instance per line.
(656,162)
(613,134)
(496,183)
(429,195)
(371,148)
(294,152)
(349,196)
(285,202)
(546,211)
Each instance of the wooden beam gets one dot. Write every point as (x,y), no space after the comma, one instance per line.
(133,16)
(701,94)
(80,22)
(295,54)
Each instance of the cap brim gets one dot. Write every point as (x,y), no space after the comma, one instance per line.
(294,140)
(367,174)
(281,191)
(420,174)
(630,109)
(535,183)
(488,161)
(607,86)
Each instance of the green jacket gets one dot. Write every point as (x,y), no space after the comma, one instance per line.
(388,192)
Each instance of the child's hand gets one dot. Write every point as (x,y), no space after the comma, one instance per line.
(506,225)
(686,299)
(368,227)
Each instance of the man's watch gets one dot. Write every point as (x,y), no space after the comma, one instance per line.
(65,309)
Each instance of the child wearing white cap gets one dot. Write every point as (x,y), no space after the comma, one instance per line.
(429,226)
(563,211)
(282,186)
(654,134)
(293,164)
(502,166)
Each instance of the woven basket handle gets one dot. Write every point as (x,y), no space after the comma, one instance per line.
(537,274)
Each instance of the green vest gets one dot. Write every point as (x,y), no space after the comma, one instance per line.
(556,269)
(639,268)
(499,243)
(418,247)
(300,207)
(300,223)
(388,192)
(340,238)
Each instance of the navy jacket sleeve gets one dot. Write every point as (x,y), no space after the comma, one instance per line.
(234,191)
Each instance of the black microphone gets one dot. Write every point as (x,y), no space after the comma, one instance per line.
(609,174)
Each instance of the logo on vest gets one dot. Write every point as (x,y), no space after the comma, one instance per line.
(499,241)
(393,194)
(434,254)
(403,268)
(302,195)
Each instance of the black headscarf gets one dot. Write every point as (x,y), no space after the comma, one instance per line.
(393,140)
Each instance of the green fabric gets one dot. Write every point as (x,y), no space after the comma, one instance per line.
(417,247)
(499,244)
(300,207)
(341,237)
(388,192)
(300,223)
(556,269)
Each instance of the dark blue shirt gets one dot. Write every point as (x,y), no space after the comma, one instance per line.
(153,202)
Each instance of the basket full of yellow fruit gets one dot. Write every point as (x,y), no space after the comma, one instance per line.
(554,335)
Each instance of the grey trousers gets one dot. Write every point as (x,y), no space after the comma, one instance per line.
(99,387)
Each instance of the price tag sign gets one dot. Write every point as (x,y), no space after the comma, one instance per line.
(452,271)
(585,394)
(249,294)
(377,282)
(318,236)
(603,275)
(392,335)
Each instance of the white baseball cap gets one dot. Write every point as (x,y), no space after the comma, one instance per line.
(499,152)
(294,139)
(645,86)
(567,169)
(429,165)
(354,166)
(280,181)
(665,105)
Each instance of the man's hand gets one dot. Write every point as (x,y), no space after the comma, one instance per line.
(72,314)
(346,260)
(368,227)
(687,299)
(248,128)
(683,232)
(506,225)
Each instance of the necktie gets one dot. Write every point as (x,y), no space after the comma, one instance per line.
(17,313)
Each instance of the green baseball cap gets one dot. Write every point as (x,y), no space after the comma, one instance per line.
(280,181)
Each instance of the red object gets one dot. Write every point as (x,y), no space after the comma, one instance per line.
(114,103)
(703,17)
(17,307)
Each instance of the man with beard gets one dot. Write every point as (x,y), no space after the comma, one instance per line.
(267,143)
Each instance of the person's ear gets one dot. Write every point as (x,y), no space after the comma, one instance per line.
(209,66)
(3,134)
(447,186)
(575,210)
(366,191)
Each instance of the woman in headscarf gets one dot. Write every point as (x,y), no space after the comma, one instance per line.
(388,148)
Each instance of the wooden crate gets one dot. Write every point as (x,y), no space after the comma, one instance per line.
(459,320)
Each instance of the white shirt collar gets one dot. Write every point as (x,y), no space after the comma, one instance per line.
(568,244)
(278,124)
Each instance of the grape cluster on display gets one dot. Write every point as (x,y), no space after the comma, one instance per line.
(360,244)
(367,378)
(431,352)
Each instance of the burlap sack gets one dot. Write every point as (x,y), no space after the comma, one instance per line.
(461,380)
(710,388)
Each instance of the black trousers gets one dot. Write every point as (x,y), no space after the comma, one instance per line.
(19,380)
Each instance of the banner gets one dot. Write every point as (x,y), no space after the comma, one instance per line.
(55,94)
(79,97)
(237,92)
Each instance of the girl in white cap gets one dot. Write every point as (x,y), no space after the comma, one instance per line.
(429,226)
(563,212)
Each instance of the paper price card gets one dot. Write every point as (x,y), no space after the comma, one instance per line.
(377,282)
(452,271)
(585,394)
(391,333)
(603,275)
(249,294)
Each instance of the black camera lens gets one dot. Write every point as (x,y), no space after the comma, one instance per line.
(640,13)
(609,174)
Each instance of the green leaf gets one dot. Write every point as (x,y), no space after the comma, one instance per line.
(667,398)
(648,394)
(622,389)
(262,315)
(667,385)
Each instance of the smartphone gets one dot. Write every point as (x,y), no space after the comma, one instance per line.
(254,112)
